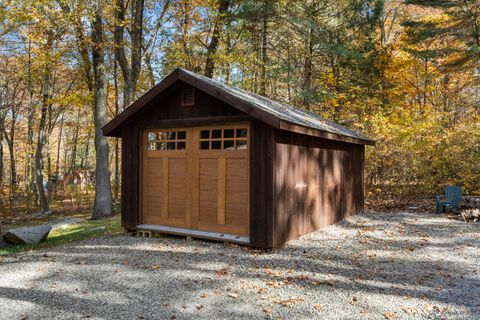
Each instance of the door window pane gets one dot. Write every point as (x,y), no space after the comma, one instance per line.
(217,133)
(229,144)
(181,145)
(161,146)
(241,144)
(205,134)
(241,133)
(181,135)
(216,144)
(171,135)
(228,133)
(204,145)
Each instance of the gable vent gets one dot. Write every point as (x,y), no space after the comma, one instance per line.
(188,96)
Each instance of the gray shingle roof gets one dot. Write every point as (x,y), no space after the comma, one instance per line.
(281,110)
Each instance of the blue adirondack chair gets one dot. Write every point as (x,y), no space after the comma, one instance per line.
(451,198)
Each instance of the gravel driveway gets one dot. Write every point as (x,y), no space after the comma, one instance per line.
(372,266)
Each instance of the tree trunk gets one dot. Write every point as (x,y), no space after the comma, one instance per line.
(2,169)
(117,169)
(29,168)
(150,74)
(87,149)
(263,80)
(213,45)
(74,145)
(40,141)
(229,49)
(11,147)
(49,168)
(425,86)
(307,70)
(147,48)
(84,159)
(130,71)
(57,164)
(13,164)
(103,196)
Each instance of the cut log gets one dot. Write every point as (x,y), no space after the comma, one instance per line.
(472,215)
(469,202)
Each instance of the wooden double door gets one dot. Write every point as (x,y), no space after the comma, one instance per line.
(197,178)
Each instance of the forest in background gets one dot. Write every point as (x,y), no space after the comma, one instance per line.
(402,72)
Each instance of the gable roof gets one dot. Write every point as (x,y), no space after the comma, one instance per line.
(274,113)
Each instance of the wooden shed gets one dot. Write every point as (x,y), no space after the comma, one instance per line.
(208,160)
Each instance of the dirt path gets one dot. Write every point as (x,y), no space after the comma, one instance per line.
(372,266)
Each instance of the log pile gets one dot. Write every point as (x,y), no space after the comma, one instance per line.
(469,202)
(470,215)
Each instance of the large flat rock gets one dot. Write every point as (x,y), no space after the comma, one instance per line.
(27,235)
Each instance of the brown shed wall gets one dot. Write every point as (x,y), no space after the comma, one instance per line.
(261,185)
(130,175)
(317,182)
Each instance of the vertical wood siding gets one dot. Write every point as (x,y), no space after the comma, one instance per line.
(130,176)
(168,107)
(262,188)
(317,182)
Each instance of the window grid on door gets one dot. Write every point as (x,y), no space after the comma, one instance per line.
(164,140)
(224,139)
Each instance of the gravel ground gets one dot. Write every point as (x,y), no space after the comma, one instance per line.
(372,266)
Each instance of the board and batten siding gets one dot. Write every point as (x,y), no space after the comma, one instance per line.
(317,182)
(261,185)
(130,204)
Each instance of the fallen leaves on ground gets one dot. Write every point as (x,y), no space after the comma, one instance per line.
(267,312)
(317,306)
(390,315)
(222,272)
(409,310)
(274,284)
(289,302)
(262,290)
(268,270)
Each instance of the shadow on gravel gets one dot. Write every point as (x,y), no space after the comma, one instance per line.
(167,276)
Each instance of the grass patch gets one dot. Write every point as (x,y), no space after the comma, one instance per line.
(79,231)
